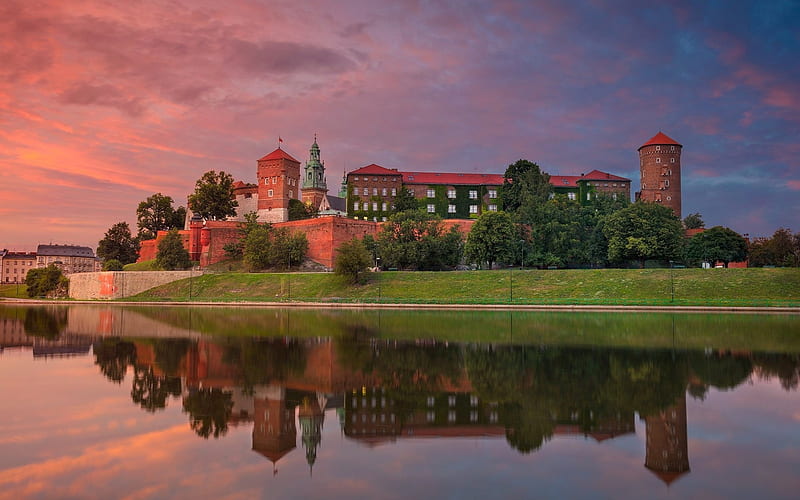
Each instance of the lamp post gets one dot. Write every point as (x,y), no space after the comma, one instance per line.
(289,274)
(671,282)
(378,266)
(522,246)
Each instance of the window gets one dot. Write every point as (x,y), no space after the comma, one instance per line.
(451,209)
(473,209)
(451,193)
(365,191)
(571,195)
(270,193)
(666,182)
(672,148)
(672,160)
(473,194)
(431,208)
(493,208)
(614,196)
(374,179)
(669,198)
(375,206)
(411,191)
(394,191)
(451,416)
(266,180)
(431,193)
(366,206)
(658,160)
(383,192)
(383,206)
(374,191)
(589,195)
(431,401)
(658,148)
(492,193)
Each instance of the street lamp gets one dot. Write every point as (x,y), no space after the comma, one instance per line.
(522,246)
(378,266)
(671,282)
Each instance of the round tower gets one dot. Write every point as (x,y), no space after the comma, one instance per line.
(278,177)
(660,167)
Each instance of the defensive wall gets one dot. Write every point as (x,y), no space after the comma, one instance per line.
(109,285)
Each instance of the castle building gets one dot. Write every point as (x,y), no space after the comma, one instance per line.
(660,166)
(278,177)
(314,186)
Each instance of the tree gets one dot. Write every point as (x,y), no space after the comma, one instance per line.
(693,221)
(112,265)
(782,249)
(352,258)
(492,239)
(717,244)
(118,244)
(405,201)
(416,240)
(157,214)
(643,231)
(299,210)
(47,282)
(213,196)
(525,185)
(235,249)
(266,246)
(171,253)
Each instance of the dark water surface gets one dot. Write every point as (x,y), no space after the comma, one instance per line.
(177,402)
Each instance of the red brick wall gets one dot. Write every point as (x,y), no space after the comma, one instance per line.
(325,234)
(149,248)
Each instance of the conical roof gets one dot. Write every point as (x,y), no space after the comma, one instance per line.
(661,139)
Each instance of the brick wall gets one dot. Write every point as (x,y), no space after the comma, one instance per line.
(118,284)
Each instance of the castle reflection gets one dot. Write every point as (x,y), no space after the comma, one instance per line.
(382,391)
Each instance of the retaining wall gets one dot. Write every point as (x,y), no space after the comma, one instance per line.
(119,284)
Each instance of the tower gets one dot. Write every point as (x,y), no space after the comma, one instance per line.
(660,166)
(314,186)
(278,177)
(667,453)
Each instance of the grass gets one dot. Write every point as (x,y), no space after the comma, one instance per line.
(703,287)
(14,291)
(147,265)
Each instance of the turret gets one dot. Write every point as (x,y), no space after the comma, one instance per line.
(660,167)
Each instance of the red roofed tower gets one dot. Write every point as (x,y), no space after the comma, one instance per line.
(660,164)
(278,182)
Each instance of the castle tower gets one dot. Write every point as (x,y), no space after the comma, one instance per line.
(278,177)
(667,454)
(274,431)
(314,186)
(660,166)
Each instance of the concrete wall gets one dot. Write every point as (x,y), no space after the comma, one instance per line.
(118,284)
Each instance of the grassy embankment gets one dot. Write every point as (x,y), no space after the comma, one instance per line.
(14,291)
(711,287)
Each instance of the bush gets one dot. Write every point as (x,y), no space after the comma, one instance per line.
(352,258)
(47,282)
(112,265)
(171,254)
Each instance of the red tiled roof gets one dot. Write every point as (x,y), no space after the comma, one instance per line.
(279,154)
(564,180)
(661,139)
(374,169)
(597,175)
(452,179)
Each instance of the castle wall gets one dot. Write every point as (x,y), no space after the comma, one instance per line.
(109,285)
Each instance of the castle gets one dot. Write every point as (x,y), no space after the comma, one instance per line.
(368,194)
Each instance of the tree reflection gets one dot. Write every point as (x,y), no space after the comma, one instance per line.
(265,361)
(784,366)
(113,356)
(170,352)
(45,323)
(151,391)
(209,410)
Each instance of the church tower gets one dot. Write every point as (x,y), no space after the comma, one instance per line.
(660,166)
(314,186)
(278,177)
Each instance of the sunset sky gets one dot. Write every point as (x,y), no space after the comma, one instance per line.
(104,103)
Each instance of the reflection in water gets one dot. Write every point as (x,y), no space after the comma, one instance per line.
(385,390)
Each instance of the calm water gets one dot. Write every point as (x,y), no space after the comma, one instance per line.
(111,402)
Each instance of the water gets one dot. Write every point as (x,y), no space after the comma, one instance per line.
(174,402)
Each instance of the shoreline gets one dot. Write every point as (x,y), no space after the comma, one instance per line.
(413,306)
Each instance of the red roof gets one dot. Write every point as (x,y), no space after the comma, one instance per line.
(660,139)
(565,180)
(452,179)
(374,169)
(597,175)
(279,154)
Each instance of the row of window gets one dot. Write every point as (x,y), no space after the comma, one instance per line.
(384,191)
(451,209)
(292,181)
(384,206)
(271,193)
(671,160)
(573,196)
(375,179)
(451,193)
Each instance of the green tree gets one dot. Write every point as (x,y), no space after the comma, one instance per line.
(266,246)
(782,249)
(492,239)
(643,231)
(416,240)
(47,282)
(157,214)
(524,186)
(235,249)
(405,201)
(171,253)
(299,210)
(119,244)
(112,265)
(352,259)
(693,221)
(213,196)
(717,244)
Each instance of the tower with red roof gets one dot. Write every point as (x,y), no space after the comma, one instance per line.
(278,182)
(660,167)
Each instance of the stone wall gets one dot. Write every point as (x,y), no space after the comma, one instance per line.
(119,284)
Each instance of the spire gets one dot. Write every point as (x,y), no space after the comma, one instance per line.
(315,170)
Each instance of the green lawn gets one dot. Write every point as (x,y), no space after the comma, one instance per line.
(14,291)
(715,287)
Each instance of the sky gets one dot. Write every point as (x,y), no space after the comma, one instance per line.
(105,103)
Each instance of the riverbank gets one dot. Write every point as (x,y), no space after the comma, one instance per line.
(753,287)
